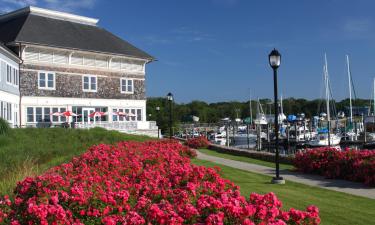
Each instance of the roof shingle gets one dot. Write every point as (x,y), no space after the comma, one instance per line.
(40,30)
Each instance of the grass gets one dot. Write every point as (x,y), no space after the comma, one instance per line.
(31,151)
(335,207)
(28,152)
(244,159)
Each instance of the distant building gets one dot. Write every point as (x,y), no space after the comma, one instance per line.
(9,86)
(70,63)
(358,110)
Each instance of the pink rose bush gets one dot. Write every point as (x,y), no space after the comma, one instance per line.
(198,142)
(141,183)
(353,165)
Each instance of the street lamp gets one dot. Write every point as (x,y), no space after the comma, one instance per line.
(157,118)
(170,100)
(275,59)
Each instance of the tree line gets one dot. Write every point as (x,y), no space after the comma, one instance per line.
(214,112)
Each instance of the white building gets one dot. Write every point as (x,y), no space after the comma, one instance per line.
(69,63)
(9,86)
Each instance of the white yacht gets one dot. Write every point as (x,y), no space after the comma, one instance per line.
(261,118)
(321,140)
(302,133)
(324,137)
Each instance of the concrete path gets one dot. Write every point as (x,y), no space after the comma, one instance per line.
(312,180)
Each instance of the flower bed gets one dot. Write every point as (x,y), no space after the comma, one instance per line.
(353,165)
(198,142)
(141,183)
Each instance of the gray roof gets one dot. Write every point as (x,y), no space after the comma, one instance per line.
(40,30)
(4,49)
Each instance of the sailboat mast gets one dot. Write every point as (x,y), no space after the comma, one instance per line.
(251,111)
(374,96)
(327,97)
(350,89)
(327,87)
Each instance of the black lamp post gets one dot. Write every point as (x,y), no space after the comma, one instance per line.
(170,100)
(157,118)
(275,60)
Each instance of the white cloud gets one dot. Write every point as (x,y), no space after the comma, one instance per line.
(61,5)
(357,25)
(178,35)
(153,39)
(19,2)
(190,35)
(69,5)
(358,28)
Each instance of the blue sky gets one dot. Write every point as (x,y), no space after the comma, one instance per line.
(216,50)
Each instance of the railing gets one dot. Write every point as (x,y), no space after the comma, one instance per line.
(125,126)
(153,125)
(120,126)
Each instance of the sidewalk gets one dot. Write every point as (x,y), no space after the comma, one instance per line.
(308,179)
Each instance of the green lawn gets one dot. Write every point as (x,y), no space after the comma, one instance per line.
(30,151)
(335,207)
(244,159)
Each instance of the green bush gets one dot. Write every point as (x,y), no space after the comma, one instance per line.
(4,126)
(31,151)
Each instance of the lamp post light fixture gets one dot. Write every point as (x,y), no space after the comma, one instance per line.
(275,59)
(170,100)
(157,118)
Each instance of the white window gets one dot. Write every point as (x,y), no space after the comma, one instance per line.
(130,114)
(38,114)
(12,76)
(127,86)
(17,78)
(30,114)
(89,83)
(114,117)
(3,71)
(46,80)
(9,74)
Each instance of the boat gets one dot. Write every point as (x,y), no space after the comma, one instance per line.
(353,130)
(324,136)
(302,133)
(221,133)
(261,117)
(241,139)
(321,139)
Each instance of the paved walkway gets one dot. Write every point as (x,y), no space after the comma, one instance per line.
(312,180)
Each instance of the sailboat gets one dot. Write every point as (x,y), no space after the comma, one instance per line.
(246,138)
(370,119)
(261,117)
(324,137)
(351,133)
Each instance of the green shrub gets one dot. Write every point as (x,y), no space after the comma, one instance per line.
(4,126)
(31,151)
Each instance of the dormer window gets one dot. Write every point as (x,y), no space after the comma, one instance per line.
(46,80)
(89,83)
